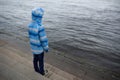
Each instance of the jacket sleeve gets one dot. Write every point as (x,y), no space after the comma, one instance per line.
(43,39)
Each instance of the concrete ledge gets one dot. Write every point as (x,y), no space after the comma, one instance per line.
(16,65)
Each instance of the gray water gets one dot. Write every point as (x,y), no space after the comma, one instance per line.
(88,29)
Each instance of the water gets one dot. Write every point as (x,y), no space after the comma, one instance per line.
(88,29)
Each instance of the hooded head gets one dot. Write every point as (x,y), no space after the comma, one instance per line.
(37,15)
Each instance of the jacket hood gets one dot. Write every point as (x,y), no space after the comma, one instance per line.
(37,14)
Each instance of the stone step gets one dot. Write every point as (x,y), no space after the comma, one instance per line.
(16,65)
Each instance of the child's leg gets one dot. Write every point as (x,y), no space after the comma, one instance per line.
(35,62)
(41,63)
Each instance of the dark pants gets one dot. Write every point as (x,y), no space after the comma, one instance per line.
(38,62)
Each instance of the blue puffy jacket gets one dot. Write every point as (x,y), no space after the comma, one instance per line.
(37,34)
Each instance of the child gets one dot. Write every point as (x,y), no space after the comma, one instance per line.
(38,40)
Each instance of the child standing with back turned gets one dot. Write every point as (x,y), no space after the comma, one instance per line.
(38,40)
